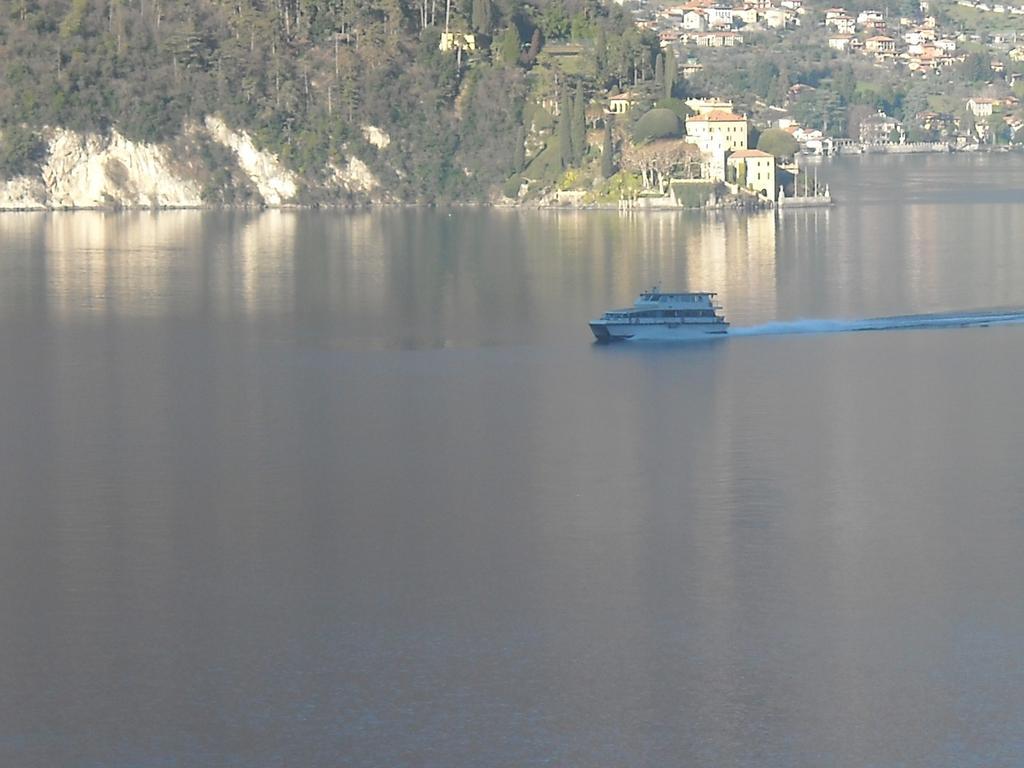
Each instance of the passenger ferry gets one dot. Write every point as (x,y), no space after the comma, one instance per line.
(657,316)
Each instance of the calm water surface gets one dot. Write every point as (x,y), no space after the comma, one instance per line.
(356,489)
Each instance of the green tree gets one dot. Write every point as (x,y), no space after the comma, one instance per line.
(509,46)
(482,16)
(490,135)
(657,124)
(565,128)
(21,151)
(844,82)
(998,130)
(579,125)
(535,46)
(607,162)
(778,142)
(678,106)
(976,68)
(554,20)
(659,72)
(670,72)
(71,24)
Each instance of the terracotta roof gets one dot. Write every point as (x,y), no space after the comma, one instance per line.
(742,153)
(716,116)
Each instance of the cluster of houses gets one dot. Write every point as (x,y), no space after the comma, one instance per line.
(711,24)
(918,45)
(1016,10)
(881,129)
(1003,110)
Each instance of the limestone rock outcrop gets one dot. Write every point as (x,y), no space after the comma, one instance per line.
(86,170)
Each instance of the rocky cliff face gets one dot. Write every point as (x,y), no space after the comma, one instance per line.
(276,185)
(91,171)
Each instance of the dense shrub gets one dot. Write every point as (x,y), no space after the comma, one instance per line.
(657,124)
(21,151)
(776,141)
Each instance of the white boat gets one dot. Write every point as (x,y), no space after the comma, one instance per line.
(657,316)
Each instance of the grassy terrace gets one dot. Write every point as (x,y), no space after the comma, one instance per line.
(983,22)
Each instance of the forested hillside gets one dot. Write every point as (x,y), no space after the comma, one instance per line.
(304,77)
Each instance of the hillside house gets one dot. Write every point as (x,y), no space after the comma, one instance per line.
(880,45)
(982,107)
(718,39)
(690,67)
(841,43)
(707,106)
(747,15)
(755,170)
(695,21)
(840,21)
(620,103)
(871,19)
(719,17)
(779,18)
(457,41)
(718,130)
(881,129)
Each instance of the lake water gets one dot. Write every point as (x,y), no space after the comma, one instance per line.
(357,489)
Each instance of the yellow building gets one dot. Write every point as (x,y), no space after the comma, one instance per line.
(451,41)
(755,170)
(706,106)
(880,44)
(620,103)
(717,130)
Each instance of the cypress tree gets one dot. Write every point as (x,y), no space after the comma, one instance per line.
(579,125)
(601,53)
(519,158)
(607,166)
(659,72)
(565,128)
(535,43)
(482,21)
(670,72)
(509,46)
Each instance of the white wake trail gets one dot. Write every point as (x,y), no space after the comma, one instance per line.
(978,318)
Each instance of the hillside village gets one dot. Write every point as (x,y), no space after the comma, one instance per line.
(965,80)
(935,44)
(584,102)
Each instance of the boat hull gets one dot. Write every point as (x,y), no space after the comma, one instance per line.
(608,332)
